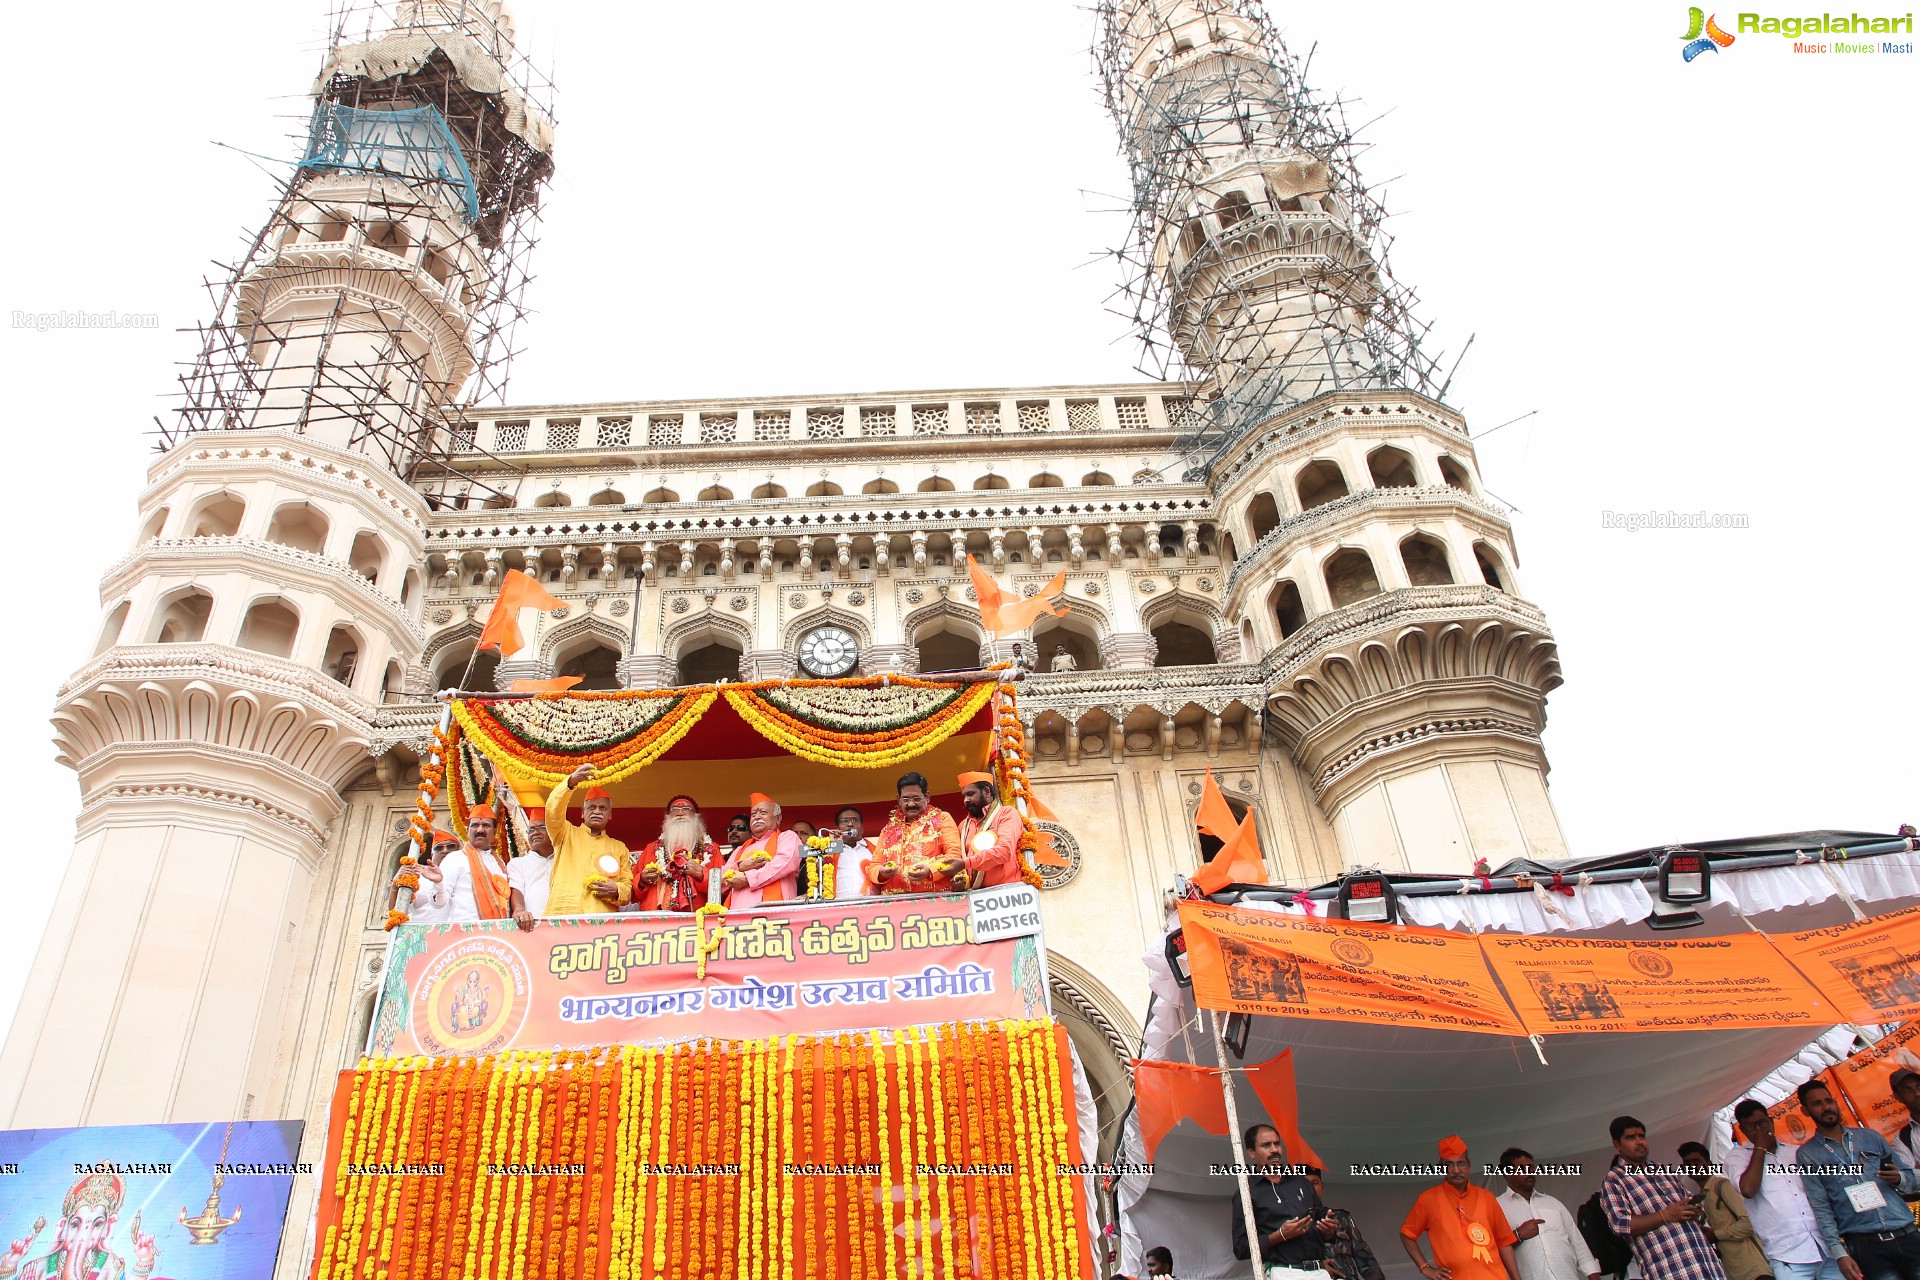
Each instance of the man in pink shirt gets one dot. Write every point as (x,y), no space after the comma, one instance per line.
(766,868)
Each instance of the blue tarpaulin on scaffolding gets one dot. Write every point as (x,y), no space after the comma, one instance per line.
(414,145)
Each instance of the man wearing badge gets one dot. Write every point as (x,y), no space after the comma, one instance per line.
(1854,1180)
(1463,1223)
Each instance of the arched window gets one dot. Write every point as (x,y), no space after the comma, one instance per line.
(155,523)
(824,489)
(1288,610)
(1488,561)
(710,663)
(879,486)
(991,481)
(498,502)
(409,586)
(1181,644)
(1082,648)
(344,650)
(110,629)
(392,685)
(1211,845)
(1455,474)
(183,620)
(944,647)
(1319,483)
(553,498)
(615,498)
(218,516)
(452,671)
(331,228)
(716,493)
(436,265)
(1096,478)
(299,525)
(770,490)
(271,627)
(369,556)
(1046,480)
(1263,515)
(1232,208)
(1350,577)
(390,236)
(1426,561)
(936,484)
(598,668)
(658,496)
(1390,468)
(1194,238)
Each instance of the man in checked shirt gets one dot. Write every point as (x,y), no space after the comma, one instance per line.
(1657,1211)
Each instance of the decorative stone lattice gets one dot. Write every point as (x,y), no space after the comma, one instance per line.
(718,428)
(826,424)
(915,595)
(1181,415)
(1067,847)
(1131,414)
(509,436)
(773,424)
(443,616)
(796,601)
(1092,588)
(1205,584)
(1083,415)
(856,598)
(563,434)
(558,614)
(877,422)
(1034,415)
(663,429)
(929,419)
(615,433)
(461,437)
(983,419)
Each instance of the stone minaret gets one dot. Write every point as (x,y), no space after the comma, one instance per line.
(1405,674)
(272,598)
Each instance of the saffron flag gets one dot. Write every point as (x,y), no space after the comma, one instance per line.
(1005,614)
(1166,1091)
(517,592)
(1239,860)
(559,684)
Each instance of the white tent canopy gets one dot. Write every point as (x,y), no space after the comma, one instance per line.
(1372,1094)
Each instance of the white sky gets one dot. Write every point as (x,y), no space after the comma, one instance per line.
(1700,275)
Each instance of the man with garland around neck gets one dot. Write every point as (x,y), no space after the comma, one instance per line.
(767,867)
(918,851)
(671,872)
(989,835)
(581,884)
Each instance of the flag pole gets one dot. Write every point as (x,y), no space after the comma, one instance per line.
(1255,1242)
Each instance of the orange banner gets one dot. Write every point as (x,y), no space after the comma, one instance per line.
(1869,969)
(1562,984)
(1861,1081)
(1260,962)
(810,969)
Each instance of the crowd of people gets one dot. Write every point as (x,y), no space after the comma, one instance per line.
(577,868)
(1841,1206)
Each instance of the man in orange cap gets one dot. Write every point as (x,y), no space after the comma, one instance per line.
(1464,1224)
(473,882)
(592,871)
(989,835)
(918,851)
(767,867)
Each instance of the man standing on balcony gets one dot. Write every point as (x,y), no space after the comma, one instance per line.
(582,884)
(767,867)
(989,836)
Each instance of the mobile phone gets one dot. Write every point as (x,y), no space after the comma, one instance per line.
(1698,1197)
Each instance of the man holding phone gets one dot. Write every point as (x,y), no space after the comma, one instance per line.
(1854,1181)
(1292,1223)
(1656,1211)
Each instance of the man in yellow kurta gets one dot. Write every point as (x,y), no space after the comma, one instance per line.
(582,885)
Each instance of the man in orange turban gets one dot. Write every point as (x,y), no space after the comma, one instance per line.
(989,835)
(1464,1224)
(473,881)
(767,867)
(592,871)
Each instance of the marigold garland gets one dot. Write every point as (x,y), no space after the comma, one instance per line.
(915,1103)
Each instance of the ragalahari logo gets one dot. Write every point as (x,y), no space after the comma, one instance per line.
(1703,35)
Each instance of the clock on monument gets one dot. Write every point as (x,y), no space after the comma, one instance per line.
(828,651)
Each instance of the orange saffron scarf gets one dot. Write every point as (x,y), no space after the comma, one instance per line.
(490,892)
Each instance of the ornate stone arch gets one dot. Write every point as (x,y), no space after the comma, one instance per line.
(962,611)
(447,638)
(1105,1035)
(709,625)
(827,616)
(1155,612)
(588,625)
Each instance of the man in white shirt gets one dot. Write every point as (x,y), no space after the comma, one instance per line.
(1768,1175)
(850,873)
(531,875)
(1550,1245)
(473,884)
(425,909)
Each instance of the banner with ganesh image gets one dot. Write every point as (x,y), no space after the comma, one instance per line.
(160,1201)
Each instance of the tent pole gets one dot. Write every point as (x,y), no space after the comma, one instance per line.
(1255,1244)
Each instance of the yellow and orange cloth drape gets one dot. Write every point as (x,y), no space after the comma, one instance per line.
(938,1152)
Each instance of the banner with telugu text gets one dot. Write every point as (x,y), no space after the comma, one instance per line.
(808,969)
(1258,962)
(1561,984)
(1869,969)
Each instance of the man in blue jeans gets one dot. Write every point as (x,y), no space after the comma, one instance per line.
(1767,1171)
(1854,1181)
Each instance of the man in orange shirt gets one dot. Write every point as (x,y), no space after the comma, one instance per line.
(918,851)
(989,835)
(1463,1223)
